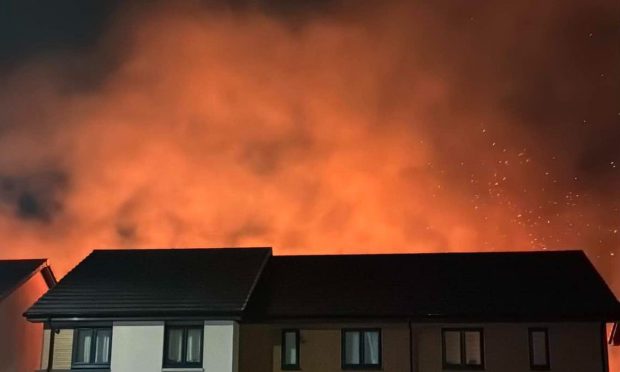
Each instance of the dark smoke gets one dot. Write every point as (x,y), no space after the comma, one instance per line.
(35,197)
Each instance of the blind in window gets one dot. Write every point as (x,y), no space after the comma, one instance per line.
(452,340)
(539,348)
(473,352)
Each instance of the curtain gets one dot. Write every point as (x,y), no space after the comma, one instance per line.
(175,345)
(102,347)
(539,348)
(371,347)
(290,345)
(193,345)
(352,347)
(84,345)
(452,340)
(473,352)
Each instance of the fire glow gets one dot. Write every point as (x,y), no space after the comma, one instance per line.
(374,130)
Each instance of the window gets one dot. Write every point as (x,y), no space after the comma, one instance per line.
(290,349)
(539,349)
(92,347)
(463,349)
(361,349)
(183,346)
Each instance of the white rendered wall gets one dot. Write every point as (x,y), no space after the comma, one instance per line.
(221,347)
(137,346)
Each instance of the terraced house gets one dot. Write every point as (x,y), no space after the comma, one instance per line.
(22,282)
(231,310)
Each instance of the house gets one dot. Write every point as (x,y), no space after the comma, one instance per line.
(22,282)
(245,310)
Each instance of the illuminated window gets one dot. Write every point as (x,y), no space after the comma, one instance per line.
(92,347)
(539,349)
(361,349)
(183,346)
(290,349)
(463,348)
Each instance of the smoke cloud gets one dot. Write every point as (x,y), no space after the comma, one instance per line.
(330,128)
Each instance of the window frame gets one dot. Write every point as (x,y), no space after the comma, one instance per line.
(463,365)
(361,365)
(283,365)
(93,348)
(547,365)
(184,364)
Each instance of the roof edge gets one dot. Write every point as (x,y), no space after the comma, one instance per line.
(26,314)
(34,272)
(601,279)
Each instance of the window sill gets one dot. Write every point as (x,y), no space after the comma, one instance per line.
(461,367)
(183,369)
(362,367)
(74,370)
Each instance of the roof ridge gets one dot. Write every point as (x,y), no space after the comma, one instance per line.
(151,249)
(472,253)
(22,259)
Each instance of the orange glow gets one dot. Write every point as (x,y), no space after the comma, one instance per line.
(336,136)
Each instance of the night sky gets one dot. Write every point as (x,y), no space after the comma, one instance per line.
(313,127)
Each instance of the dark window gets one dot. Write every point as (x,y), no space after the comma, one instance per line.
(290,349)
(463,348)
(539,348)
(183,346)
(361,349)
(92,347)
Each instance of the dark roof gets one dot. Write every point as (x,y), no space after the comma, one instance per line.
(457,286)
(14,273)
(218,283)
(153,282)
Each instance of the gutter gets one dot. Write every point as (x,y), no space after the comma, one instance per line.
(68,320)
(50,353)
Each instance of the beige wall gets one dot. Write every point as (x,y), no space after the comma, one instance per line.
(20,341)
(319,347)
(573,347)
(506,347)
(256,344)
